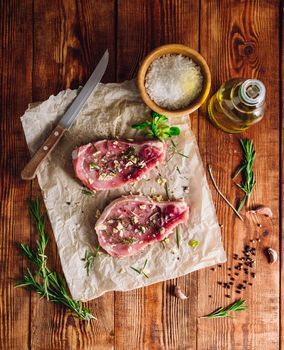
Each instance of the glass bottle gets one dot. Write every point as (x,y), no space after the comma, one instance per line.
(238,104)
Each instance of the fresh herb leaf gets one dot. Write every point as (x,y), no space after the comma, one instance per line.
(141,271)
(246,170)
(193,243)
(158,127)
(174,131)
(90,259)
(44,282)
(141,126)
(239,305)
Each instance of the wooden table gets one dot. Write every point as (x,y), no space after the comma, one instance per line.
(48,46)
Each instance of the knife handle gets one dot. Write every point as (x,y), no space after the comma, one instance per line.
(29,171)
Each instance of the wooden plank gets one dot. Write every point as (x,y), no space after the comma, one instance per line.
(69,39)
(281,166)
(15,84)
(151,318)
(242,39)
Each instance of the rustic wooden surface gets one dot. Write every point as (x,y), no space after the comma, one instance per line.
(48,46)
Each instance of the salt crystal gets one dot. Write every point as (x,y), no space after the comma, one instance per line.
(173,81)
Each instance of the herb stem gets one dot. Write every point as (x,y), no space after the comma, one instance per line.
(221,194)
(141,271)
(44,282)
(246,168)
(239,305)
(177,237)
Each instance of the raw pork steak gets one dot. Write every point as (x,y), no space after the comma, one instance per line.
(108,164)
(130,223)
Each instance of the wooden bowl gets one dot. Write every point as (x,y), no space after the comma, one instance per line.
(174,49)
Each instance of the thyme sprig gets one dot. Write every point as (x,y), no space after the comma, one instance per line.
(157,127)
(90,259)
(239,305)
(246,169)
(43,281)
(142,270)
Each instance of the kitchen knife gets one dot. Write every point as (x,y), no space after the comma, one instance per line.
(29,171)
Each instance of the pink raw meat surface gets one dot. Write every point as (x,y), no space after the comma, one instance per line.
(109,164)
(130,223)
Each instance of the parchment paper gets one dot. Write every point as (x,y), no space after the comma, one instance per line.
(109,112)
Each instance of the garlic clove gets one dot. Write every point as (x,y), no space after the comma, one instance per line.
(179,294)
(272,255)
(263,211)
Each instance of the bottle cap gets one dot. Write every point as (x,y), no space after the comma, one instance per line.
(252,92)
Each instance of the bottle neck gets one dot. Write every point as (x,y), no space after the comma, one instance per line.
(252,92)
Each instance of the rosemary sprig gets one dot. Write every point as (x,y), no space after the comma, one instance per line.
(44,282)
(157,127)
(221,194)
(249,181)
(239,305)
(141,271)
(176,151)
(88,192)
(90,259)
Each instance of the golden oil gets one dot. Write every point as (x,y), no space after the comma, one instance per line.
(238,104)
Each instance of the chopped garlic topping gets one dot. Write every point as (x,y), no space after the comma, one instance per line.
(119,226)
(97,153)
(158,198)
(161,181)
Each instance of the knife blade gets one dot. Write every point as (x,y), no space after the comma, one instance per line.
(29,171)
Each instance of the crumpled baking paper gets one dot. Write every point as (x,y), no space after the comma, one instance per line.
(109,113)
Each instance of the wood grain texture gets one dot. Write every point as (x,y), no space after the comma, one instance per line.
(48,46)
(151,318)
(15,84)
(69,40)
(241,36)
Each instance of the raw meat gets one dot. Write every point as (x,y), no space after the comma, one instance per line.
(108,164)
(130,223)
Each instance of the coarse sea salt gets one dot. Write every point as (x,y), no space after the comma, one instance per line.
(173,81)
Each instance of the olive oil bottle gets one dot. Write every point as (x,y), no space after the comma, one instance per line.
(238,104)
